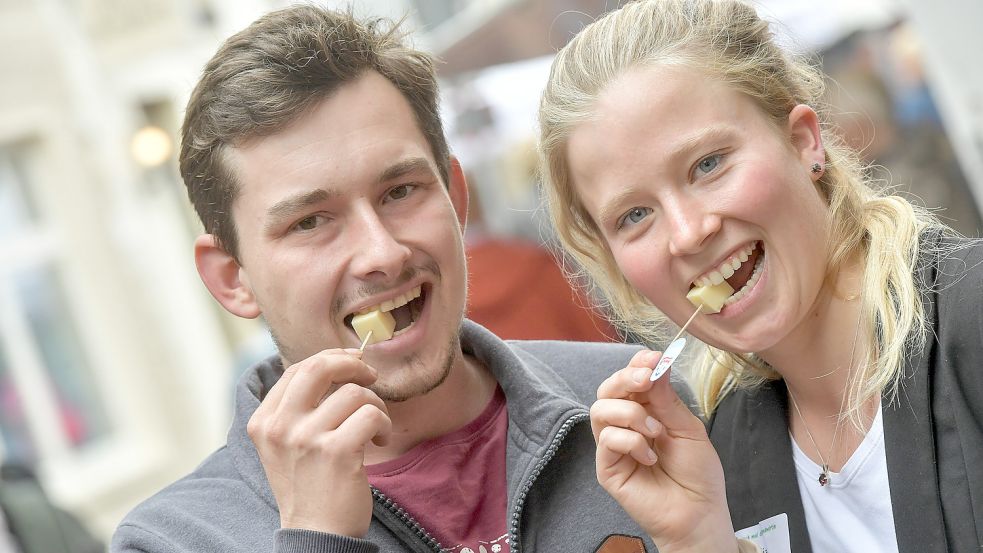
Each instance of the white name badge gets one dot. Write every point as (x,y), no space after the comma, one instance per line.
(668,356)
(771,534)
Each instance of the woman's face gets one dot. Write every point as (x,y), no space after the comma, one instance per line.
(684,175)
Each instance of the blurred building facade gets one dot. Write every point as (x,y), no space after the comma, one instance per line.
(114,361)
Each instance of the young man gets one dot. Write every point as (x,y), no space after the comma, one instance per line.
(314,154)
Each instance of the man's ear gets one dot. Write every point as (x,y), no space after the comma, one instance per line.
(807,140)
(458,190)
(222,275)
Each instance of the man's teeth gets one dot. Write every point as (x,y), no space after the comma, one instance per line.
(755,275)
(398,301)
(727,268)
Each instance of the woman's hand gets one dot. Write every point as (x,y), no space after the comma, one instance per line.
(655,458)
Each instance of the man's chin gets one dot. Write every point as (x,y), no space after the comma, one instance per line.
(415,377)
(403,389)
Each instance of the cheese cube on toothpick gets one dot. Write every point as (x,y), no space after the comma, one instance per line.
(711,297)
(380,323)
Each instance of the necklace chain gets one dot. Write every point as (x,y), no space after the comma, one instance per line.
(824,473)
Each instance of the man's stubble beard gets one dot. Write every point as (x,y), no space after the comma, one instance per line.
(411,382)
(416,384)
(418,380)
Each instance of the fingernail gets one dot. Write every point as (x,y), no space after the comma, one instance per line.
(352,351)
(640,374)
(651,424)
(652,456)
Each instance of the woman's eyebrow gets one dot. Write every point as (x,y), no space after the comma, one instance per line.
(692,142)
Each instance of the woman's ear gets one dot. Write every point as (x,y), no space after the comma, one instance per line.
(806,136)
(224,278)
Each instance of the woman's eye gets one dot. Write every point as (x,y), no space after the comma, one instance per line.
(634,216)
(708,164)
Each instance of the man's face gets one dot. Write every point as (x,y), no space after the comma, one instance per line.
(343,211)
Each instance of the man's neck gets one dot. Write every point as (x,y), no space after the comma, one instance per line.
(456,402)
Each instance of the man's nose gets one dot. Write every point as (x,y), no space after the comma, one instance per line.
(378,253)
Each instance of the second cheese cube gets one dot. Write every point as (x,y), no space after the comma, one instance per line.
(711,297)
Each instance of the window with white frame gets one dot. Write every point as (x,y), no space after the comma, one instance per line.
(49,405)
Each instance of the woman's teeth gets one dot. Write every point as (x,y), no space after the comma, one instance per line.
(711,290)
(727,268)
(755,275)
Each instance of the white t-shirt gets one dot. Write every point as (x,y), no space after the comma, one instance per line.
(852,512)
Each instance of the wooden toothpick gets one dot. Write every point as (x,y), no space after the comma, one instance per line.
(693,316)
(366,341)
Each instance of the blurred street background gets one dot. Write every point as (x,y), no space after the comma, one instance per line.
(116,366)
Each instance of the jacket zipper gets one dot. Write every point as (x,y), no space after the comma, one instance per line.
(550,453)
(409,521)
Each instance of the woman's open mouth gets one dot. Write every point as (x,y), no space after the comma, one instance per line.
(741,271)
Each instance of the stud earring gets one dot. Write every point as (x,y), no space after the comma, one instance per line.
(817,168)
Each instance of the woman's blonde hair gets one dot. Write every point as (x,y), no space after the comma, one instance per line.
(727,40)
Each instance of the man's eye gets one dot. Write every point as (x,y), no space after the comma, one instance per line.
(634,216)
(309,223)
(399,192)
(708,164)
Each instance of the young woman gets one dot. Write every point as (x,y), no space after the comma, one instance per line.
(842,383)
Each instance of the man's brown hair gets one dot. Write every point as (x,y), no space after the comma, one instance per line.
(266,76)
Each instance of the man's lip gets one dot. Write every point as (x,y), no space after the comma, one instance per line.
(377,300)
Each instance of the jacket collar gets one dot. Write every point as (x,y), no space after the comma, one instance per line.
(539,402)
(909,442)
(909,447)
(771,473)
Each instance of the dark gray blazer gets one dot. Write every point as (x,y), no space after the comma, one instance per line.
(933,431)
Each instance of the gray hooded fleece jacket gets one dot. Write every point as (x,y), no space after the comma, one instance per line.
(554,501)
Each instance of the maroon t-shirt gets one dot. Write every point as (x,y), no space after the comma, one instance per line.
(454,485)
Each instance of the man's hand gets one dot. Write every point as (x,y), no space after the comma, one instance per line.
(655,459)
(311,431)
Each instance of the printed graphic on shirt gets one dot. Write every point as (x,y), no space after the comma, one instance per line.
(499,545)
(620,543)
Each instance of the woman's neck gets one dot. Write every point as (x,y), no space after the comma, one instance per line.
(817,358)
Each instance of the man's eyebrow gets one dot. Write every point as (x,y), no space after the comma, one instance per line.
(292,204)
(405,167)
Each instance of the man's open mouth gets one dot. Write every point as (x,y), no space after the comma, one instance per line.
(741,271)
(405,309)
